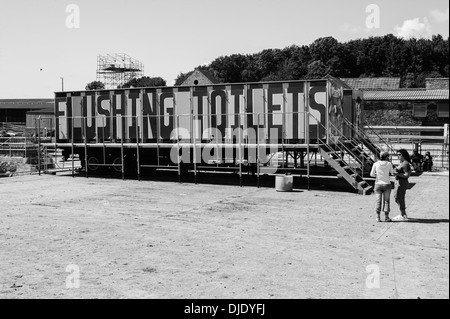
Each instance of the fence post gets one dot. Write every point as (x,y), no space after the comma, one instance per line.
(138,163)
(178,147)
(257,153)
(73,148)
(85,146)
(39,144)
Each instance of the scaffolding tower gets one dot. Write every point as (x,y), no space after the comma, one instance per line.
(114,70)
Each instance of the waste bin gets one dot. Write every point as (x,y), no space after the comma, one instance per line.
(284,183)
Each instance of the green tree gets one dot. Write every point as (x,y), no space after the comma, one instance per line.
(408,81)
(316,70)
(229,68)
(324,49)
(440,53)
(95,85)
(420,80)
(412,60)
(144,81)
(180,78)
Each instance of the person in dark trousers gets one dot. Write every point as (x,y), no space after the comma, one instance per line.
(428,162)
(382,170)
(402,173)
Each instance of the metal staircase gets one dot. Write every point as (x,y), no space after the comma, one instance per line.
(356,149)
(347,157)
(347,168)
(361,137)
(52,158)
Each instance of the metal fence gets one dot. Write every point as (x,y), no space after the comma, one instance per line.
(18,155)
(421,138)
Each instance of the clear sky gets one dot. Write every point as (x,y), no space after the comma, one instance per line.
(173,36)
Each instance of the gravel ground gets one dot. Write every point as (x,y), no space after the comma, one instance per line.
(64,237)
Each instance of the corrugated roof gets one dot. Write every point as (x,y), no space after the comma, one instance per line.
(27,100)
(405,95)
(26,104)
(42,111)
(373,83)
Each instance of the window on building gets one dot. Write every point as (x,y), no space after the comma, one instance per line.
(442,109)
(420,110)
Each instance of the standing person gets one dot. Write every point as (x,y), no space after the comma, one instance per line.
(427,162)
(382,170)
(403,171)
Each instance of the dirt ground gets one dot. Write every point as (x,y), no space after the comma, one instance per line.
(151,239)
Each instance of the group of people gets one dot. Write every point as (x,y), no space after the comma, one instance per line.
(421,163)
(382,170)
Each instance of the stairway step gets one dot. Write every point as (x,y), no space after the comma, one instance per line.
(362,183)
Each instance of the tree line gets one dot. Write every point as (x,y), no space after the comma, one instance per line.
(412,60)
(144,81)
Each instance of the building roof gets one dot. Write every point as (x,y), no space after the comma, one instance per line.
(338,82)
(205,73)
(42,111)
(26,104)
(373,83)
(210,76)
(405,95)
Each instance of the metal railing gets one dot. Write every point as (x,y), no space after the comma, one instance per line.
(187,132)
(362,134)
(14,128)
(197,131)
(340,148)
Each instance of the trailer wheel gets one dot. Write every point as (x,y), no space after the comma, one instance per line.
(93,164)
(117,161)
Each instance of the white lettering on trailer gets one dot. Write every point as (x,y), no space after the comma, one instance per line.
(321,98)
(148,119)
(278,114)
(62,114)
(101,118)
(183,111)
(118,116)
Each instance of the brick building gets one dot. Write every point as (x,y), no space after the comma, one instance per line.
(436,83)
(386,104)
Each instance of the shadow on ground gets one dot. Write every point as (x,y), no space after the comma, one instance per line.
(314,182)
(427,221)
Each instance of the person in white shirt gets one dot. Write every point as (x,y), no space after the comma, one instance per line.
(382,170)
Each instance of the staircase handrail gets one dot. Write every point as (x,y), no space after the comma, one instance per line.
(366,136)
(353,169)
(340,144)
